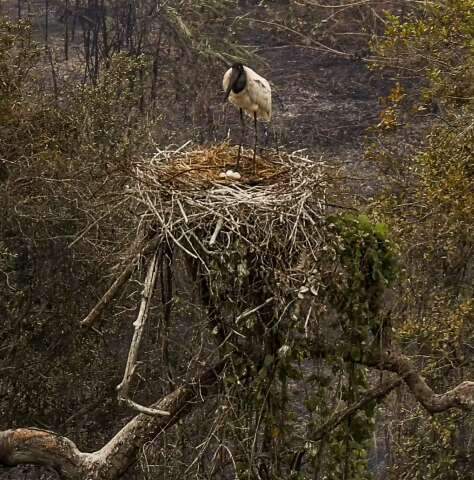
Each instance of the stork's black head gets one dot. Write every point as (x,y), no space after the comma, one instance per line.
(238,80)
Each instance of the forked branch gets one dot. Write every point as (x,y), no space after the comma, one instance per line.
(117,285)
(28,445)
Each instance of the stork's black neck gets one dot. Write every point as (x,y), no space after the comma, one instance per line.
(240,82)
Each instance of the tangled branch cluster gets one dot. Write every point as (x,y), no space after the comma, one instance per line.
(276,211)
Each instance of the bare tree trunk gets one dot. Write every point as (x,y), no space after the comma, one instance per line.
(105,36)
(87,51)
(66,30)
(154,77)
(53,74)
(46,21)
(95,39)
(74,20)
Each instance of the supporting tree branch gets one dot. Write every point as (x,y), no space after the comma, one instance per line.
(461,396)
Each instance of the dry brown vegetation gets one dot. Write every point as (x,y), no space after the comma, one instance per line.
(306,320)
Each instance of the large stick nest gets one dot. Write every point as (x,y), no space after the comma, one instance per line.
(273,219)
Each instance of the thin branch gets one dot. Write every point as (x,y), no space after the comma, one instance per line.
(109,295)
(139,324)
(247,313)
(375,394)
(142,409)
(119,282)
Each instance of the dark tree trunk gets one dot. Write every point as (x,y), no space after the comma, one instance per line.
(46,21)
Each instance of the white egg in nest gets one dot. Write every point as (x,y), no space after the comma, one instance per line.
(232,175)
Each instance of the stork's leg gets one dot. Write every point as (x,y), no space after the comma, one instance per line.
(255,144)
(242,131)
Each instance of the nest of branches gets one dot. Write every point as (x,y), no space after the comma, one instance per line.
(255,248)
(251,238)
(277,204)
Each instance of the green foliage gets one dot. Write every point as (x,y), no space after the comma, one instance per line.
(429,202)
(436,41)
(444,453)
(369,259)
(366,250)
(362,262)
(365,263)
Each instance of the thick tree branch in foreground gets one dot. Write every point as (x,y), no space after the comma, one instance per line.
(27,445)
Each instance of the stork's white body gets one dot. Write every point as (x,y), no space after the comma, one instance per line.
(255,98)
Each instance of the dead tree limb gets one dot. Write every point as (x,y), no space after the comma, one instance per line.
(119,282)
(139,324)
(377,393)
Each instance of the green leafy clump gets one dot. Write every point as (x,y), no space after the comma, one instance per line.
(366,250)
(364,265)
(369,262)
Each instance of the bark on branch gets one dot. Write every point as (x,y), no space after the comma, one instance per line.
(461,396)
(28,445)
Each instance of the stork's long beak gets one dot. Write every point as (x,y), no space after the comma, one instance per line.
(227,92)
(233,78)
